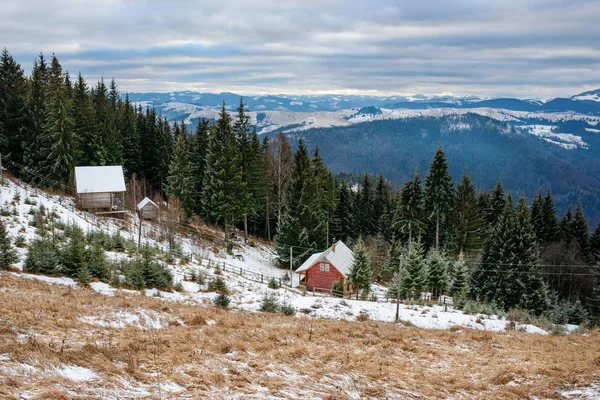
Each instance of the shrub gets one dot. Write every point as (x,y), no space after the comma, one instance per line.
(20,241)
(178,287)
(273,284)
(337,289)
(222,300)
(218,285)
(288,309)
(269,304)
(201,278)
(43,257)
(218,269)
(520,315)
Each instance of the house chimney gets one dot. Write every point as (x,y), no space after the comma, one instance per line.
(333,246)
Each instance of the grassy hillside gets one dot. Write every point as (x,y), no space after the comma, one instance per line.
(60,342)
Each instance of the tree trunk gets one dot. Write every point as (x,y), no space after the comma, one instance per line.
(437,232)
(268,227)
(246,228)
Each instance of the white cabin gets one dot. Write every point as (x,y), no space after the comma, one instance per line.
(100,189)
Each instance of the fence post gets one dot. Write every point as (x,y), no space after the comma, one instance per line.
(241,272)
(261,278)
(279,282)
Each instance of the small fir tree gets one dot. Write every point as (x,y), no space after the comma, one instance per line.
(8,254)
(361,275)
(437,273)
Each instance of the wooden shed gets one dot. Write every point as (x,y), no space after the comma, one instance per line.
(100,189)
(147,209)
(321,270)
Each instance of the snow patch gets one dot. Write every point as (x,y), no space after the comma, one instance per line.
(143,319)
(76,373)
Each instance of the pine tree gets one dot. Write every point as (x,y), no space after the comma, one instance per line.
(414,278)
(466,224)
(594,301)
(438,194)
(255,178)
(361,275)
(13,112)
(223,179)
(58,129)
(8,255)
(180,179)
(459,284)
(437,273)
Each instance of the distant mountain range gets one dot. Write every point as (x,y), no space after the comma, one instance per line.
(585,103)
(529,144)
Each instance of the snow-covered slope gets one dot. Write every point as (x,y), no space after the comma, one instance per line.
(246,293)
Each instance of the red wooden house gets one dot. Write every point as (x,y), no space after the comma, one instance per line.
(321,270)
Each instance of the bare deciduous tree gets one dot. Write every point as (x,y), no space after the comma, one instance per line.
(279,160)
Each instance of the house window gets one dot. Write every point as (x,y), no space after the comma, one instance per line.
(327,267)
(322,267)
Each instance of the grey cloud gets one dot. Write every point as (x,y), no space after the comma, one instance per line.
(521,48)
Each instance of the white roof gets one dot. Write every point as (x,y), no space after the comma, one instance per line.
(144,202)
(100,179)
(342,259)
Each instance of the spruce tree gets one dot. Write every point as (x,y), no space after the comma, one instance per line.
(13,113)
(409,218)
(198,154)
(391,264)
(566,226)
(581,234)
(550,221)
(36,116)
(180,179)
(223,179)
(8,254)
(459,283)
(414,278)
(595,243)
(437,273)
(57,139)
(343,213)
(381,204)
(466,222)
(497,204)
(361,275)
(438,194)
(365,208)
(130,138)
(88,142)
(291,223)
(537,216)
(74,258)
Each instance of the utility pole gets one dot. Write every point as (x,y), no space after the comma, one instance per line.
(398,283)
(140,231)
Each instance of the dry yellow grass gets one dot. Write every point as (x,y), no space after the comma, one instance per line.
(205,352)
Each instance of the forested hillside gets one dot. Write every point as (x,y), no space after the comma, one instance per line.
(436,233)
(489,149)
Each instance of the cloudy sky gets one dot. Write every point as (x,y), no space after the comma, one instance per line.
(519,48)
